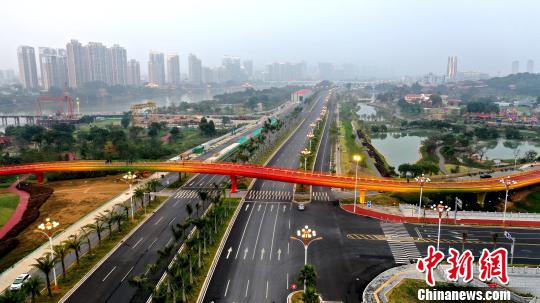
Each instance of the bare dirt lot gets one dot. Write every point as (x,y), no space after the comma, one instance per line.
(71,200)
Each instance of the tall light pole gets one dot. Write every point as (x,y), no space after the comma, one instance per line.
(306,154)
(47,228)
(310,137)
(440,208)
(306,235)
(129,177)
(516,155)
(507,182)
(422,180)
(356,159)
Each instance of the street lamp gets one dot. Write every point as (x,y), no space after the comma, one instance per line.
(507,182)
(357,159)
(47,228)
(310,136)
(516,155)
(306,235)
(129,177)
(422,180)
(440,208)
(306,154)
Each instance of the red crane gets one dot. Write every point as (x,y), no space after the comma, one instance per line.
(64,103)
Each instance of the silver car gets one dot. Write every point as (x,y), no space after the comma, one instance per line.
(19,281)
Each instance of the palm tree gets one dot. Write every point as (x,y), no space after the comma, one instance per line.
(189,209)
(33,287)
(139,195)
(74,243)
(310,296)
(153,184)
(171,283)
(86,234)
(96,227)
(12,296)
(60,252)
(179,231)
(197,206)
(182,274)
(203,195)
(308,276)
(119,218)
(126,206)
(46,264)
(107,217)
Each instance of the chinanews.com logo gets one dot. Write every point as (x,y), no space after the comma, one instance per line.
(492,266)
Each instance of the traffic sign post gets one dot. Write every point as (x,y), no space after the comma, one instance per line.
(458,203)
(509,237)
(369,203)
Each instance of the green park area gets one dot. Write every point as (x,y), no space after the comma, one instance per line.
(8,204)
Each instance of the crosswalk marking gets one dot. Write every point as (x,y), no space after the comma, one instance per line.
(269,195)
(401,250)
(188,194)
(320,196)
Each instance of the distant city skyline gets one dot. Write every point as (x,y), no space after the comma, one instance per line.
(383,38)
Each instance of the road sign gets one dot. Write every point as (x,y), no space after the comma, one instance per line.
(368,203)
(508,235)
(459,203)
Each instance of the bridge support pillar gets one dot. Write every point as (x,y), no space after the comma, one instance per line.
(362,196)
(39,177)
(481,198)
(233,184)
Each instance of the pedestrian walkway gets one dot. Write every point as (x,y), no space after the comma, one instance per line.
(269,195)
(401,243)
(16,216)
(189,194)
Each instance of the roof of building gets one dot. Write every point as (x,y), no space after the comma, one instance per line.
(303,91)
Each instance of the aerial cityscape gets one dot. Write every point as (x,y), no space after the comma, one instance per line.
(302,152)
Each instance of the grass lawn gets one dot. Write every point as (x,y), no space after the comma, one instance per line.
(529,203)
(407,291)
(8,203)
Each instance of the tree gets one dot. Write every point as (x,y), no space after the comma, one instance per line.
(12,296)
(96,227)
(86,234)
(310,295)
(108,217)
(109,150)
(33,288)
(60,252)
(189,209)
(46,264)
(126,119)
(531,155)
(153,184)
(175,134)
(203,195)
(436,100)
(74,243)
(126,206)
(308,276)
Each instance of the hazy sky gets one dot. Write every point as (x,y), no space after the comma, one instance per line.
(400,36)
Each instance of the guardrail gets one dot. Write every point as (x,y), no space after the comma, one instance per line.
(408,209)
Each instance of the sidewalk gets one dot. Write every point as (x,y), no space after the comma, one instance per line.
(524,280)
(392,214)
(25,264)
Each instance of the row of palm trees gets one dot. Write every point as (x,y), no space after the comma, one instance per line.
(104,222)
(186,267)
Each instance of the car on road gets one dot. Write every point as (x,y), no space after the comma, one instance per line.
(485,176)
(301,206)
(19,281)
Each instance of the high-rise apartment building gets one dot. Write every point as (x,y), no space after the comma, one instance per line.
(133,73)
(156,68)
(530,66)
(194,69)
(77,64)
(97,58)
(515,67)
(233,69)
(173,69)
(248,68)
(27,67)
(451,68)
(326,70)
(53,66)
(117,65)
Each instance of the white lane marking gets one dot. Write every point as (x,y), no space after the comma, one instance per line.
(227,288)
(259,208)
(287,286)
(159,220)
(418,232)
(262,254)
(169,242)
(258,233)
(279,254)
(273,234)
(152,243)
(127,273)
(241,239)
(110,272)
(228,252)
(266,289)
(247,287)
(287,247)
(289,223)
(245,253)
(137,243)
(175,203)
(172,220)
(247,207)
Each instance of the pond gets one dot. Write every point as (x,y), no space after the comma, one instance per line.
(504,149)
(399,148)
